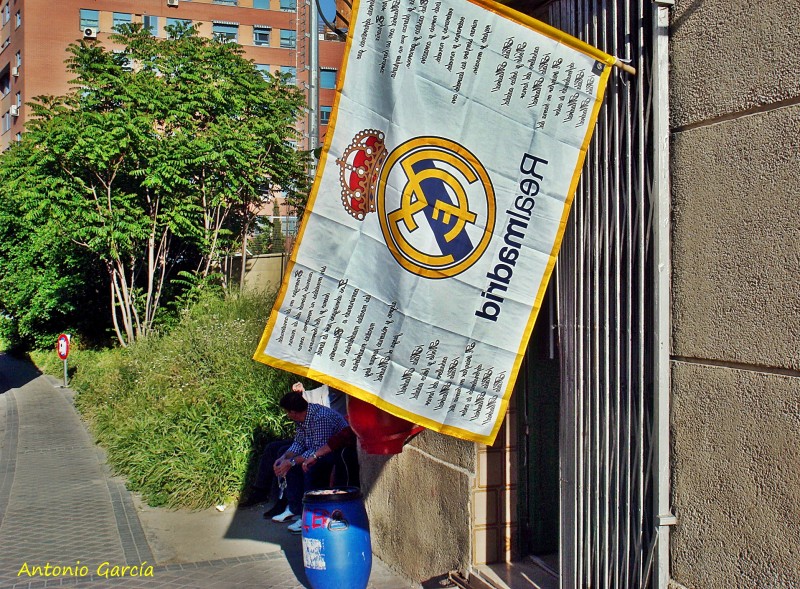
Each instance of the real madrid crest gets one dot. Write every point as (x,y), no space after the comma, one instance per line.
(434,200)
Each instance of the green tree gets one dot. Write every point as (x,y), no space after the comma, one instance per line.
(45,289)
(158,160)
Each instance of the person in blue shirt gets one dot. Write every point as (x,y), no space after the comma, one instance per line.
(316,424)
(265,485)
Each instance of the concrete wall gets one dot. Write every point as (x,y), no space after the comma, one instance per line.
(418,503)
(735,117)
(262,272)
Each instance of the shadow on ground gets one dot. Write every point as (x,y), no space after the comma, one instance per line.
(250,523)
(184,536)
(15,373)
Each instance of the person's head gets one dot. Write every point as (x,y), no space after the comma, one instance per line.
(295,406)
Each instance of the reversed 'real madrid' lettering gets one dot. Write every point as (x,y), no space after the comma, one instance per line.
(518,219)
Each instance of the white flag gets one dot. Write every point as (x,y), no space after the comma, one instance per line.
(438,209)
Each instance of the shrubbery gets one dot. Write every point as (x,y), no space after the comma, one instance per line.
(184,416)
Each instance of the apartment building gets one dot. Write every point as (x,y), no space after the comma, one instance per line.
(273,33)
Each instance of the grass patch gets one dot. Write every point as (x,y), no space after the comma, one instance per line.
(184,416)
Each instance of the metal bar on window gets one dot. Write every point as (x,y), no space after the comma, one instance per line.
(605,307)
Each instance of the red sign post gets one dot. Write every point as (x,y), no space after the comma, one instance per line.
(63,352)
(63,346)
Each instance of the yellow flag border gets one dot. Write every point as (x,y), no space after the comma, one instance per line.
(307,371)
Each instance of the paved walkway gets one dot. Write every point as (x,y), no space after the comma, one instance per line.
(60,506)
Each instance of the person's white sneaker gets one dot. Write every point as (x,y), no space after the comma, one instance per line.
(285,516)
(296,527)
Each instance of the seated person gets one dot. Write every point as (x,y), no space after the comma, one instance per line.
(265,483)
(316,424)
(342,447)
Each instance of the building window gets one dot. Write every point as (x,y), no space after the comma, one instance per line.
(264,69)
(289,5)
(288,39)
(289,225)
(325,114)
(6,13)
(261,36)
(18,57)
(90,18)
(121,18)
(327,79)
(6,122)
(228,2)
(263,4)
(5,84)
(150,23)
(18,100)
(126,63)
(292,73)
(226,32)
(18,21)
(18,137)
(176,22)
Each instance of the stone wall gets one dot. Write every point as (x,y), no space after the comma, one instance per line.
(418,504)
(735,169)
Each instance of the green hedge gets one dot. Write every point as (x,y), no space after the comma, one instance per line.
(184,416)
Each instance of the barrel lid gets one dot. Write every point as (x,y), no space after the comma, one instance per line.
(335,494)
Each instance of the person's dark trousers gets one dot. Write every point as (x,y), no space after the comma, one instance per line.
(298,482)
(265,480)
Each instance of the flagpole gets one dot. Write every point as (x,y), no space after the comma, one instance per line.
(625,67)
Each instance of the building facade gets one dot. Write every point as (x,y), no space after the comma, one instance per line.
(273,33)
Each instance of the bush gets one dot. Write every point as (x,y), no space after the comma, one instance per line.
(7,333)
(184,416)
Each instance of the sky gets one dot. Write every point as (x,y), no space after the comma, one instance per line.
(328,9)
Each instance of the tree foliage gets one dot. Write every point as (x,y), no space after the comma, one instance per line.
(44,287)
(157,161)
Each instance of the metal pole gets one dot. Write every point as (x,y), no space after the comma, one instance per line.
(313,90)
(65,373)
(661,230)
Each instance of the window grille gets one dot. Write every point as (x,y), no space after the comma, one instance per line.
(604,278)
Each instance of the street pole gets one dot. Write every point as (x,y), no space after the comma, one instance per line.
(62,348)
(313,90)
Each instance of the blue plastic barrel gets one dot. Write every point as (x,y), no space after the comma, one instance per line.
(337,552)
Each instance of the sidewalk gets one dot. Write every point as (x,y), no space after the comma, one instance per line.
(60,506)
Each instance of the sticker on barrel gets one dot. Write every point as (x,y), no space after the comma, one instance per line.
(313,557)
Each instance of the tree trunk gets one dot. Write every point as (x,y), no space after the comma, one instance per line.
(120,307)
(244,256)
(117,330)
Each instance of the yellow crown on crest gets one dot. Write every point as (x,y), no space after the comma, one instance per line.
(358,174)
